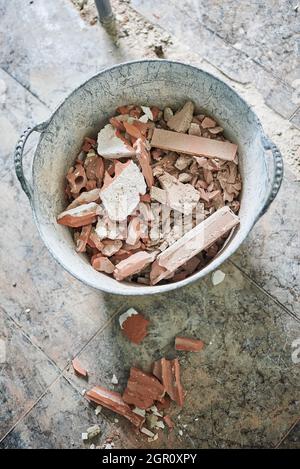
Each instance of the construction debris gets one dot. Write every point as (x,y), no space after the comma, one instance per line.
(111,146)
(134,325)
(193,145)
(136,193)
(188,345)
(78,368)
(217,277)
(121,195)
(113,400)
(142,389)
(193,242)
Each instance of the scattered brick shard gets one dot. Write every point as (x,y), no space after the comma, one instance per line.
(103,264)
(193,242)
(171,380)
(142,389)
(111,146)
(113,400)
(78,368)
(121,195)
(134,326)
(188,345)
(181,121)
(84,214)
(133,264)
(193,145)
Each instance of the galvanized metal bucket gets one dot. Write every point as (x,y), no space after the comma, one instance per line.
(87,109)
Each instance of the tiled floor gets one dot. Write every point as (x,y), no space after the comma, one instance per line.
(243,389)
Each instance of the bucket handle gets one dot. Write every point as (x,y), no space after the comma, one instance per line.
(277,176)
(18,157)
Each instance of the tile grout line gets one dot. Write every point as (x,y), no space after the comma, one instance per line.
(275,300)
(31,407)
(286,434)
(60,370)
(27,88)
(234,48)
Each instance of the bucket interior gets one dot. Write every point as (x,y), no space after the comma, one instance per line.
(87,109)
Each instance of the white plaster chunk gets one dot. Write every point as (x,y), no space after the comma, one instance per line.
(217,277)
(182,120)
(122,195)
(130,312)
(114,379)
(147,111)
(111,146)
(180,197)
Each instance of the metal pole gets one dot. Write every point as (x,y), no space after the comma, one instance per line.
(104,11)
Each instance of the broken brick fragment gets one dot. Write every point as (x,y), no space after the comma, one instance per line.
(113,400)
(83,238)
(188,345)
(135,328)
(144,158)
(82,215)
(142,389)
(78,368)
(171,380)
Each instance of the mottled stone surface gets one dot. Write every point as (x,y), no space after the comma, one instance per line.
(242,387)
(271,253)
(57,421)
(64,314)
(292,440)
(25,373)
(226,36)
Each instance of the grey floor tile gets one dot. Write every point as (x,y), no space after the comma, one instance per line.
(18,110)
(241,389)
(57,421)
(62,314)
(270,255)
(25,373)
(189,24)
(40,62)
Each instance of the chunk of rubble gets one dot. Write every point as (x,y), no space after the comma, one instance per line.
(102,264)
(94,240)
(107,228)
(134,231)
(113,400)
(177,195)
(94,167)
(110,247)
(84,214)
(144,158)
(168,113)
(182,119)
(193,242)
(170,370)
(147,112)
(79,369)
(195,129)
(134,325)
(148,433)
(142,389)
(93,431)
(114,379)
(83,238)
(122,194)
(183,162)
(188,345)
(76,178)
(208,123)
(217,277)
(134,264)
(110,146)
(85,198)
(193,145)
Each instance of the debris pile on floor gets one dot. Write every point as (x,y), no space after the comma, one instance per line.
(155,197)
(147,397)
